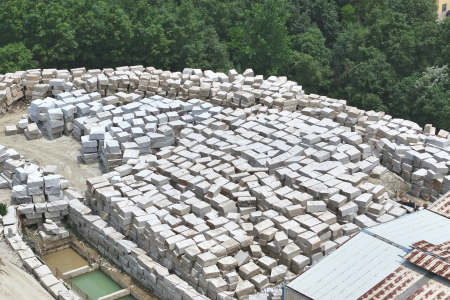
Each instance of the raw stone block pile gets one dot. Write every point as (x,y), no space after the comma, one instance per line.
(77,101)
(33,214)
(39,193)
(12,86)
(230,182)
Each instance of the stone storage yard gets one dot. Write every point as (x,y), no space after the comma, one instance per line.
(214,185)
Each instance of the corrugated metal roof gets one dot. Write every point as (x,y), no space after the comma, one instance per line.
(437,288)
(424,246)
(442,250)
(442,206)
(422,225)
(351,270)
(429,262)
(394,284)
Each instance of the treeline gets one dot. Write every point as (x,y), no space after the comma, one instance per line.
(389,55)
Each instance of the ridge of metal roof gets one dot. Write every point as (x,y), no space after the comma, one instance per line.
(422,225)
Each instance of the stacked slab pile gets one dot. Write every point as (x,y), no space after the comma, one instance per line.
(40,193)
(126,83)
(54,125)
(10,222)
(39,212)
(54,231)
(28,184)
(126,254)
(97,93)
(11,89)
(39,270)
(245,198)
(234,198)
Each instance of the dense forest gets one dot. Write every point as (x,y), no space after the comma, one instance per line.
(389,55)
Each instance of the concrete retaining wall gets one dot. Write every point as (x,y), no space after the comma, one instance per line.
(116,295)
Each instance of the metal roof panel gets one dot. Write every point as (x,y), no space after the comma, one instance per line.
(422,225)
(442,206)
(395,283)
(429,262)
(351,270)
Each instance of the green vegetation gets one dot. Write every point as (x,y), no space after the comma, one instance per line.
(386,55)
(3,209)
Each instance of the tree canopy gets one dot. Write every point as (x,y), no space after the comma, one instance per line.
(388,55)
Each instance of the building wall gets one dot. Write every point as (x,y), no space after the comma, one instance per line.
(289,294)
(441,3)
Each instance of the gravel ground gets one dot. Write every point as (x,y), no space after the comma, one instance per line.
(6,253)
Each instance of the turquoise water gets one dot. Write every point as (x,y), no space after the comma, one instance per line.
(97,284)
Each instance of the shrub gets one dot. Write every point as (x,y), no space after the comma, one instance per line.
(3,209)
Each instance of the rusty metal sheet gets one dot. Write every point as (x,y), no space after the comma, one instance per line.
(442,206)
(429,262)
(424,246)
(432,290)
(393,285)
(441,250)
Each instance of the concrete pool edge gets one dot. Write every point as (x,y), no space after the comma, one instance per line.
(80,271)
(69,275)
(96,266)
(116,295)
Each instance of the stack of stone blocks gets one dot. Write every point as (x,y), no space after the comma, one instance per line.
(230,182)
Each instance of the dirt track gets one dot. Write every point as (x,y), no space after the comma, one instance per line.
(17,284)
(63,152)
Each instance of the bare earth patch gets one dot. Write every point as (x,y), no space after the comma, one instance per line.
(398,186)
(63,152)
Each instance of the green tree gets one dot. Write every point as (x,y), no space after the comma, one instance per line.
(423,97)
(310,73)
(311,61)
(323,13)
(348,14)
(196,44)
(312,42)
(370,77)
(265,44)
(13,16)
(16,57)
(442,54)
(432,94)
(221,14)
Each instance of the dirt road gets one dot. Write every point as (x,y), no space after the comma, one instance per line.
(17,284)
(63,152)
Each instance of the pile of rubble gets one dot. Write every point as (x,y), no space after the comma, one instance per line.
(231,182)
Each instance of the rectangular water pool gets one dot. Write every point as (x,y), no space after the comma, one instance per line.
(96,284)
(65,260)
